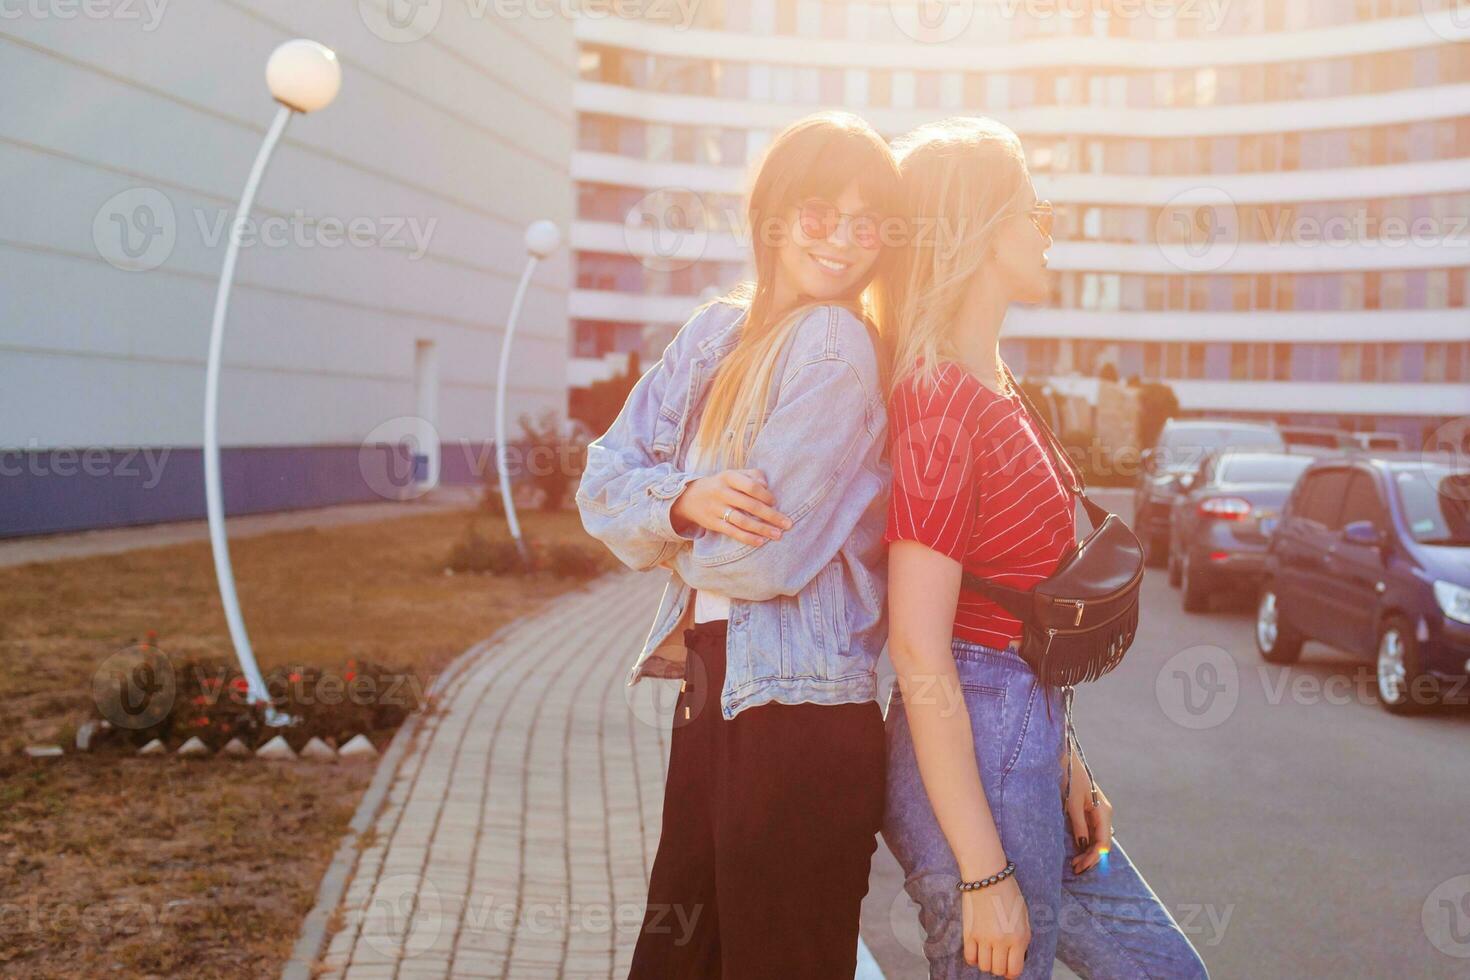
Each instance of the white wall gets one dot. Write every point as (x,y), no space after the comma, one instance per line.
(465,134)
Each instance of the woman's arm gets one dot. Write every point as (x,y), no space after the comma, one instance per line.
(627,489)
(923,590)
(813,452)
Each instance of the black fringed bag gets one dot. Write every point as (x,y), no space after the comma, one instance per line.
(1078,623)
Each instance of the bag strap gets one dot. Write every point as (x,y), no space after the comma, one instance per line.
(1018,602)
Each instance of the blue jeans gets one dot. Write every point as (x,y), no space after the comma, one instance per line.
(1104,923)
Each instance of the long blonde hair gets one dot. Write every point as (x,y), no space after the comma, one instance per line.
(961,177)
(817,156)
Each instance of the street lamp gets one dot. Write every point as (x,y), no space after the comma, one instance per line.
(542,238)
(303,76)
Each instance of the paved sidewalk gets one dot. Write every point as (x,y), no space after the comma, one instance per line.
(516,837)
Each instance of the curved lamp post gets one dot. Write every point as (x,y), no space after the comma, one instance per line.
(303,76)
(542,238)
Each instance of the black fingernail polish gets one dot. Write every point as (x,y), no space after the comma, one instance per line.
(1082,843)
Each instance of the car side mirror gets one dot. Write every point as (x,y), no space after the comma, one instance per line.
(1363,533)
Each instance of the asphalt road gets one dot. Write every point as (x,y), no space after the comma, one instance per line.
(1291,825)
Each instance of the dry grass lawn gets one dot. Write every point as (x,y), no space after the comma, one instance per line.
(205,868)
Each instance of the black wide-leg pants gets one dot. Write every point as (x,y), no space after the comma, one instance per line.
(769,828)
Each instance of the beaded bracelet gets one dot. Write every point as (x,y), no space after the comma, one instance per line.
(995,879)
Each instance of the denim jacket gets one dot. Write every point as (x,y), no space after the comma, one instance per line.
(807,612)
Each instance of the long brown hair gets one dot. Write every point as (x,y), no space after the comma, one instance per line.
(961,177)
(818,156)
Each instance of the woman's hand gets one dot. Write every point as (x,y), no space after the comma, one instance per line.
(1092,826)
(743,495)
(997,928)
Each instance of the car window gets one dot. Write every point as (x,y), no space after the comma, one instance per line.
(1362,502)
(1263,469)
(1183,448)
(1436,504)
(1321,498)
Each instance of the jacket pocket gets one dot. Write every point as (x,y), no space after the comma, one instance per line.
(830,607)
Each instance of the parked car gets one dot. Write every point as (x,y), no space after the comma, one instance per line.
(1372,555)
(1183,445)
(1380,441)
(1309,438)
(1221,522)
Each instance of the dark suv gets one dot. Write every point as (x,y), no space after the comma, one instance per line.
(1182,447)
(1372,555)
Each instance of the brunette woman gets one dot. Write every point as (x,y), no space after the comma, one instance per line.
(750,463)
(985,790)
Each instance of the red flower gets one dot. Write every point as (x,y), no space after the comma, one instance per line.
(200,699)
(293,677)
(350,674)
(239,684)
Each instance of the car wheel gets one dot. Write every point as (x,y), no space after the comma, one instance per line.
(1276,641)
(1175,574)
(1195,589)
(1403,687)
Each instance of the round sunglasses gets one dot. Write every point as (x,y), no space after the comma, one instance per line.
(820,220)
(1043,216)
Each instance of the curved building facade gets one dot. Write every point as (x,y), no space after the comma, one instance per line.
(1262,203)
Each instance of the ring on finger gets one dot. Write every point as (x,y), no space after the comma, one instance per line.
(726,515)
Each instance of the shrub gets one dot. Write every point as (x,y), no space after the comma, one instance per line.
(474,552)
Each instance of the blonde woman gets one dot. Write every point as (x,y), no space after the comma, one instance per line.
(750,462)
(980,793)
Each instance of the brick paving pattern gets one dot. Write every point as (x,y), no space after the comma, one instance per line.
(518,833)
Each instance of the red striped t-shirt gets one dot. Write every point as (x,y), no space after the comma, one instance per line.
(972,480)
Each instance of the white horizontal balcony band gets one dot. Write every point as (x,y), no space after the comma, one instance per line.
(1345,327)
(1327,327)
(961,55)
(596,304)
(1405,105)
(1449,247)
(612,168)
(1334,397)
(1343,184)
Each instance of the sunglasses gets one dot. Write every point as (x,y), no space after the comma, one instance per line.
(820,220)
(1043,216)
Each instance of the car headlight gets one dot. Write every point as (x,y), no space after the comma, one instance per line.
(1454,600)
